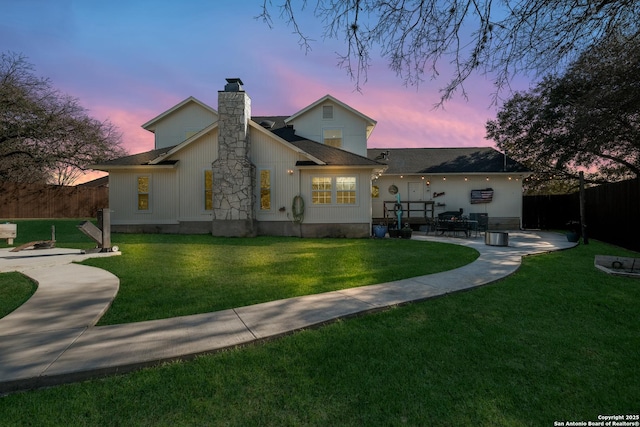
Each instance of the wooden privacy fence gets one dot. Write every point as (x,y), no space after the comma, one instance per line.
(612,212)
(51,201)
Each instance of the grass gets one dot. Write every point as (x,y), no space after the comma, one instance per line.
(558,340)
(175,275)
(167,276)
(15,289)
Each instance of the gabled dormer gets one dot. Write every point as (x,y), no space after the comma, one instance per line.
(334,123)
(180,122)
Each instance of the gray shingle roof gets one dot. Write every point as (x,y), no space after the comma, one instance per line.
(444,160)
(138,159)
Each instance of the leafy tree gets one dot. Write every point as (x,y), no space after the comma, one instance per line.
(587,119)
(501,38)
(46,136)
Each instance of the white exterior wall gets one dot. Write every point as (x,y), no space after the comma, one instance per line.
(334,213)
(193,161)
(354,128)
(506,203)
(123,197)
(181,124)
(279,159)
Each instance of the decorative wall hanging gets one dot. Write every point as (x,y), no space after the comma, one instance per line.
(438,194)
(481,196)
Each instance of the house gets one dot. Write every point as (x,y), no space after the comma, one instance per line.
(431,181)
(229,173)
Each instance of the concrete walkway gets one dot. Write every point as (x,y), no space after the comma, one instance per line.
(51,339)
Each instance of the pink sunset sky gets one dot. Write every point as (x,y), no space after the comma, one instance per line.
(130,60)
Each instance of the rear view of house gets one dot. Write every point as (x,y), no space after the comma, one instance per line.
(227,173)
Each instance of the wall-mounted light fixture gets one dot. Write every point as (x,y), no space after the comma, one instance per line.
(401,176)
(444,178)
(487,178)
(290,171)
(466,179)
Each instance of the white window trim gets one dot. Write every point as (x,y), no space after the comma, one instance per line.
(149,193)
(340,128)
(334,191)
(203,193)
(271,187)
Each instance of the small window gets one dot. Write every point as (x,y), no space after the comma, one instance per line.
(333,137)
(143,193)
(265,189)
(327,112)
(208,190)
(321,190)
(346,190)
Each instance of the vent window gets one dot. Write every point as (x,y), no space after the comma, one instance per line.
(327,112)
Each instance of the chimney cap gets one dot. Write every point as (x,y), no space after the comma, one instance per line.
(234,84)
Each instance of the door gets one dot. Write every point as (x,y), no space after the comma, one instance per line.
(416,191)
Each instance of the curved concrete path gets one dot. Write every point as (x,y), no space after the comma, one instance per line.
(51,339)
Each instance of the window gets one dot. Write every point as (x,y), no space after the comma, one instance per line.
(143,193)
(340,190)
(346,190)
(208,190)
(265,189)
(327,111)
(333,137)
(321,190)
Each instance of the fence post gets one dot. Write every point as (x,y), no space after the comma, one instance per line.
(583,220)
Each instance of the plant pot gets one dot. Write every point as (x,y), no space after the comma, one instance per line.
(379,231)
(406,233)
(394,233)
(572,236)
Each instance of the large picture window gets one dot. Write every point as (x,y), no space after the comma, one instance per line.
(208,190)
(265,189)
(341,190)
(144,186)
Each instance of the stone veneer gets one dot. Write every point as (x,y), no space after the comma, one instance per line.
(233,172)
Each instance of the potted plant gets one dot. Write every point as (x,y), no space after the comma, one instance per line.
(406,231)
(573,235)
(393,230)
(379,231)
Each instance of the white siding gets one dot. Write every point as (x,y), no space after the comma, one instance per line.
(354,128)
(193,160)
(181,124)
(334,213)
(266,153)
(123,197)
(507,196)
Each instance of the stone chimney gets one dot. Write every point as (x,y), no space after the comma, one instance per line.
(233,172)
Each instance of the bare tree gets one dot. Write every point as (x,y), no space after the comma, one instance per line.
(46,136)
(498,38)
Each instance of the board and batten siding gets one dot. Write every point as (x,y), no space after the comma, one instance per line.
(279,159)
(335,213)
(123,197)
(454,193)
(193,160)
(182,124)
(354,128)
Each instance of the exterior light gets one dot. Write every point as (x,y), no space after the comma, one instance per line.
(290,171)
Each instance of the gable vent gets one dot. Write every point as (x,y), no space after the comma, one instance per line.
(327,112)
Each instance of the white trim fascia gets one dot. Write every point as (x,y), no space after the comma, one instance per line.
(135,167)
(150,124)
(184,144)
(328,97)
(286,143)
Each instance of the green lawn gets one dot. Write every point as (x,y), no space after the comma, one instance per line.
(556,341)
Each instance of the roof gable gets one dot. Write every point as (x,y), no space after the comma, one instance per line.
(151,124)
(318,104)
